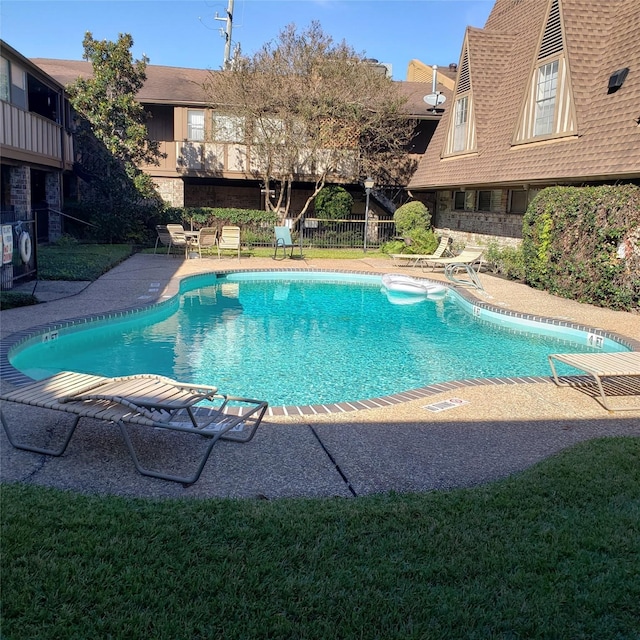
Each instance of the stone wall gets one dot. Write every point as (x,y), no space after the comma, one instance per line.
(53,197)
(171,190)
(20,185)
(470,226)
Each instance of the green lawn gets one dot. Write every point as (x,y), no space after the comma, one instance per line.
(552,553)
(79,261)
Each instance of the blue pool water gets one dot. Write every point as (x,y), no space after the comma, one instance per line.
(303,338)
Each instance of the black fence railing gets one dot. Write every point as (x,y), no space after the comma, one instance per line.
(328,234)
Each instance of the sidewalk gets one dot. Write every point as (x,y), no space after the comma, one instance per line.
(503,428)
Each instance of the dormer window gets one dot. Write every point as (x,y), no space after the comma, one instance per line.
(461,117)
(547,110)
(546,98)
(461,134)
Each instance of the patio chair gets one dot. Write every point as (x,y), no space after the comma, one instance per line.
(283,241)
(625,366)
(164,238)
(206,239)
(179,238)
(229,240)
(415,259)
(144,400)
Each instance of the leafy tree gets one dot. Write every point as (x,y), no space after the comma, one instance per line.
(107,100)
(112,139)
(314,111)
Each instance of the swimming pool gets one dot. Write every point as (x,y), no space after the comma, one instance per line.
(300,338)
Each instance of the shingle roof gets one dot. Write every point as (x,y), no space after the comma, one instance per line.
(600,38)
(183,86)
(169,85)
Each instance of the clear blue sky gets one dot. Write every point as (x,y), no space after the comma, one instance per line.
(185,33)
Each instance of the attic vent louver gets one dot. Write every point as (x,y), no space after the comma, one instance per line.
(616,79)
(552,38)
(464,80)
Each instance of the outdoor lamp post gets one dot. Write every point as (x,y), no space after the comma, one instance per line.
(368,185)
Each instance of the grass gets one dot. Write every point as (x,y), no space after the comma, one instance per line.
(551,553)
(72,261)
(69,260)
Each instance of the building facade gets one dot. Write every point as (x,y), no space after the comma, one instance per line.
(36,149)
(547,93)
(207,160)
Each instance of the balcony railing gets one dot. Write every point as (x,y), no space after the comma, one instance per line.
(32,135)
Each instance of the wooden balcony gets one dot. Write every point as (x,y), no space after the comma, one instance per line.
(29,137)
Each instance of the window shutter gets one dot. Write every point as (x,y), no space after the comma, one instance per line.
(464,78)
(552,38)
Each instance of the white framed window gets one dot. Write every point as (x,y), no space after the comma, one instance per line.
(461,117)
(547,87)
(228,128)
(195,125)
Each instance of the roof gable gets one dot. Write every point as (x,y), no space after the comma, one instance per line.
(603,140)
(547,110)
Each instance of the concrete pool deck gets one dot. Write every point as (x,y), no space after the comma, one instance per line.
(499,428)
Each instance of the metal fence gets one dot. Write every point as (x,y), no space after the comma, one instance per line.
(18,248)
(329,234)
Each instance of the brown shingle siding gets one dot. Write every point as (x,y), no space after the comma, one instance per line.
(600,37)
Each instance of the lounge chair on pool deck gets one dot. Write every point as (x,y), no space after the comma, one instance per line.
(147,400)
(415,259)
(469,255)
(624,365)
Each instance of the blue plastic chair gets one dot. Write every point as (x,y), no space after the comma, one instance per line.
(284,241)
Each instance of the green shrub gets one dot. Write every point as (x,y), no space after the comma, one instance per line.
(572,237)
(421,240)
(217,216)
(410,216)
(13,300)
(333,203)
(394,246)
(505,261)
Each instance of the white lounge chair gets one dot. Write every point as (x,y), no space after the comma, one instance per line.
(469,256)
(415,259)
(148,400)
(178,238)
(625,366)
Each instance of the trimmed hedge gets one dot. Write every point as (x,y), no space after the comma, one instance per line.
(583,243)
(211,216)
